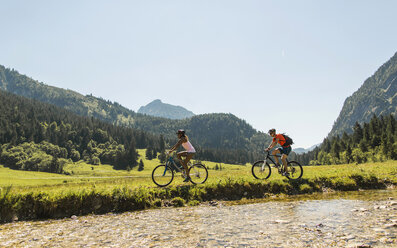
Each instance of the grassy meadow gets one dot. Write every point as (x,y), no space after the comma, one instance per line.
(100,189)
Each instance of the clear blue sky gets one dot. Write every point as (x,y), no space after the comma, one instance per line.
(287,65)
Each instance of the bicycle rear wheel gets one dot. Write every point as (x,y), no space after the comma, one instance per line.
(162,175)
(198,173)
(261,170)
(295,170)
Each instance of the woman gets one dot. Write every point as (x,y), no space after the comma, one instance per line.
(188,154)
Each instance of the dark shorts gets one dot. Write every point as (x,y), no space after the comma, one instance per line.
(285,150)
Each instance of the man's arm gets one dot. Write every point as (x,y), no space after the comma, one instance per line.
(273,144)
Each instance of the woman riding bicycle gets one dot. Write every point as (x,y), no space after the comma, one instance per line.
(188,154)
(285,148)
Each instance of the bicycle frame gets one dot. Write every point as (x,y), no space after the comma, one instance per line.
(268,157)
(172,165)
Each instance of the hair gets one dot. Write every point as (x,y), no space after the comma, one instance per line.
(183,134)
(271,131)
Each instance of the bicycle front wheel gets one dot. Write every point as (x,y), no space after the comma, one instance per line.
(295,170)
(198,173)
(162,175)
(261,170)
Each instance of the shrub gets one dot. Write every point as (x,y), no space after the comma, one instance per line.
(157,203)
(305,188)
(193,203)
(178,202)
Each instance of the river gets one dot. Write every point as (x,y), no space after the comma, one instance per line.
(354,219)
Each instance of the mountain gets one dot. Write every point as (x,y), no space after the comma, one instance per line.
(377,96)
(160,109)
(16,83)
(220,137)
(300,150)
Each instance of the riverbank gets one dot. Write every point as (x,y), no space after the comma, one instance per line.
(315,220)
(120,198)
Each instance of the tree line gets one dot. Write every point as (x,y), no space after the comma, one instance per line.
(372,141)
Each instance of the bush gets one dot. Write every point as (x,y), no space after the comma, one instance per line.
(178,202)
(157,203)
(193,203)
(305,188)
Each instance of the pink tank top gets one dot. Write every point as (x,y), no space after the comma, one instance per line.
(188,147)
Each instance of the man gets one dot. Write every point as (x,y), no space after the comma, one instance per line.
(285,148)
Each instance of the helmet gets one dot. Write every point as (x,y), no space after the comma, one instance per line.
(271,131)
(181,131)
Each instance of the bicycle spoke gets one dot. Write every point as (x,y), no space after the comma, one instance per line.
(162,175)
(295,170)
(198,173)
(261,170)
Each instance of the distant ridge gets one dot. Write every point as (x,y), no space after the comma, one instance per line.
(377,96)
(300,150)
(159,109)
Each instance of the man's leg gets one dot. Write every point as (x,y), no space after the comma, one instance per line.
(274,153)
(284,159)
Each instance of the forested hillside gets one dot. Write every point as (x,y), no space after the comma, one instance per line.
(160,109)
(14,82)
(222,134)
(373,141)
(38,136)
(378,95)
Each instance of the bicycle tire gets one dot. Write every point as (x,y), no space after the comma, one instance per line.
(295,170)
(198,173)
(162,176)
(261,170)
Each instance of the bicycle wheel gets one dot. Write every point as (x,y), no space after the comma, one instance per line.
(162,175)
(198,173)
(295,170)
(261,170)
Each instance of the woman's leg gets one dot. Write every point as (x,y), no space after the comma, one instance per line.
(189,156)
(183,161)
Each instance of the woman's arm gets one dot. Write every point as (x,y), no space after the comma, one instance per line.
(180,141)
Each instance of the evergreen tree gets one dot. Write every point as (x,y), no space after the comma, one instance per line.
(162,157)
(349,154)
(141,165)
(357,133)
(149,153)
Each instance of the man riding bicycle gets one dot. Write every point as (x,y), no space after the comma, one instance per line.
(285,148)
(188,154)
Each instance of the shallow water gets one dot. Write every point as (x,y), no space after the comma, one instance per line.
(340,220)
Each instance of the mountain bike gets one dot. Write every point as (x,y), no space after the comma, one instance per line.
(163,174)
(261,169)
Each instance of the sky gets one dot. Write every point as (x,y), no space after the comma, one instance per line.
(278,64)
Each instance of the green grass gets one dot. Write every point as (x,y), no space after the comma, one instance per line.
(101,189)
(104,176)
